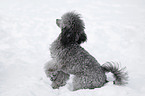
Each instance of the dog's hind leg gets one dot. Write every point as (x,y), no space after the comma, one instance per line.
(85,82)
(80,82)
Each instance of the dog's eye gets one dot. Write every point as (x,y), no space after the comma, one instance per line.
(51,70)
(68,35)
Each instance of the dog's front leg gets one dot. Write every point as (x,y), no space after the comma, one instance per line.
(60,79)
(55,74)
(50,68)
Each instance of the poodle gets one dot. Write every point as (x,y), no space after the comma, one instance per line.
(68,57)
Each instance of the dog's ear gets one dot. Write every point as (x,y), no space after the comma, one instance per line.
(82,38)
(67,36)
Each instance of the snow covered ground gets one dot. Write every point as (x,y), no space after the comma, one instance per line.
(115,30)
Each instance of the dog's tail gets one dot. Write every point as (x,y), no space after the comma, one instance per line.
(120,75)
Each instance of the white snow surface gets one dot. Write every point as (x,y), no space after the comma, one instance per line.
(115,31)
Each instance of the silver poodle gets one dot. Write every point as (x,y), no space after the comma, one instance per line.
(68,57)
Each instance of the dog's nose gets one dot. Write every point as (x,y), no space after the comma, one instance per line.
(57,20)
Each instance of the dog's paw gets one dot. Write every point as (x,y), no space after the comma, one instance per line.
(54,85)
(53,77)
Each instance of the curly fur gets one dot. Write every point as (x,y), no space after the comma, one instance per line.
(120,75)
(68,57)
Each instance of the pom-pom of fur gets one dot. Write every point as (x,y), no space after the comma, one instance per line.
(120,75)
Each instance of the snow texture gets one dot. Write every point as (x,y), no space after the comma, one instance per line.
(115,30)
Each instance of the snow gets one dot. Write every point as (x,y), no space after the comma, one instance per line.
(115,30)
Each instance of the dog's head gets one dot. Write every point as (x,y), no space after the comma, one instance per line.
(72,29)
